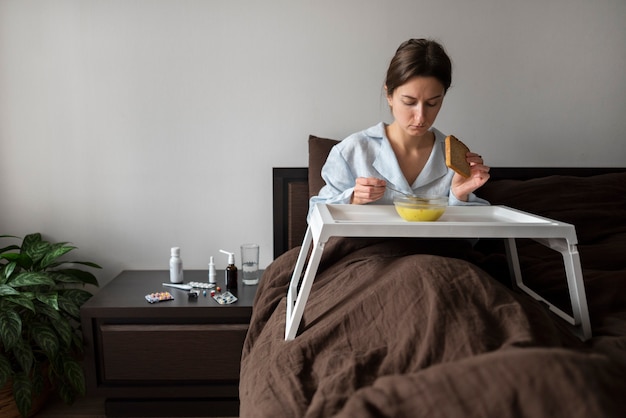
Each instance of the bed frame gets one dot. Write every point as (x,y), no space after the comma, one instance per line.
(291,196)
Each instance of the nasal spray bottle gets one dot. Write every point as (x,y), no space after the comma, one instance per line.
(211,271)
(176,266)
(231,271)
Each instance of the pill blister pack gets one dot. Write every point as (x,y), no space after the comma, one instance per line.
(159,297)
(201,285)
(225,298)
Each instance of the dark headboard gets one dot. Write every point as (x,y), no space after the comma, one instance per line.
(291,196)
(290,204)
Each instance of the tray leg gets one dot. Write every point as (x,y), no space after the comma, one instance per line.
(571,260)
(292,292)
(513,261)
(575,283)
(293,321)
(296,301)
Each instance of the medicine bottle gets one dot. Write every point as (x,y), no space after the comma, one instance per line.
(230,272)
(176,266)
(212,271)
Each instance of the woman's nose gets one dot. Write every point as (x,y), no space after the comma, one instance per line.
(419,113)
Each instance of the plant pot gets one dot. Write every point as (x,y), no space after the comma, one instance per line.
(8,407)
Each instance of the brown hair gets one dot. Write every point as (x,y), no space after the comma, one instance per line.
(418,58)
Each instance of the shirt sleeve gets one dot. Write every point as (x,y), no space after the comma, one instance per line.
(472,200)
(339,180)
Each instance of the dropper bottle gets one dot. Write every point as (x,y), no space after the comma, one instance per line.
(230,272)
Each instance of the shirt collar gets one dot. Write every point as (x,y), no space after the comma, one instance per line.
(386,162)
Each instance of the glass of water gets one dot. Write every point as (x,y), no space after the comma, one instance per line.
(250,263)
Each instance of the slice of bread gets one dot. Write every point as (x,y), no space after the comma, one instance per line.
(455,156)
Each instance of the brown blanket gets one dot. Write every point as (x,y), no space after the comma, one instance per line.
(431,329)
(394,328)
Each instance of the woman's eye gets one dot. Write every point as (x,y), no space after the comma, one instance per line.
(412,103)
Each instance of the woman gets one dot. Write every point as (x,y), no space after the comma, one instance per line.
(409,154)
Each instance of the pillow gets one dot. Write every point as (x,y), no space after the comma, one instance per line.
(318,152)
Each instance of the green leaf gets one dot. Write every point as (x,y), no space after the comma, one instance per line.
(8,248)
(77,342)
(7,290)
(80,276)
(22,260)
(55,251)
(23,353)
(34,247)
(46,339)
(23,393)
(23,299)
(47,310)
(5,370)
(9,269)
(11,329)
(78,296)
(69,306)
(50,299)
(31,239)
(64,331)
(74,374)
(60,277)
(87,263)
(65,392)
(83,263)
(29,278)
(38,379)
(12,256)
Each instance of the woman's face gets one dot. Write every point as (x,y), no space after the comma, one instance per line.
(416,103)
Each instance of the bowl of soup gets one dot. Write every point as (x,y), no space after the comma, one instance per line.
(420,208)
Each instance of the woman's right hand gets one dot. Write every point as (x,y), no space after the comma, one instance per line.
(367,190)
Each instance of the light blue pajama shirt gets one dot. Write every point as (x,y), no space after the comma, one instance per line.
(369,154)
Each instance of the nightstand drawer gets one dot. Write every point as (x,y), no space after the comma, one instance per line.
(172,352)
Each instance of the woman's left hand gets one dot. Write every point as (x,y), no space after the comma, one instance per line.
(462,186)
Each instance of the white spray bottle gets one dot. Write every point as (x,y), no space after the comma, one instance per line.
(212,272)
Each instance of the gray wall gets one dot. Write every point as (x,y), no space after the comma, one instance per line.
(128,127)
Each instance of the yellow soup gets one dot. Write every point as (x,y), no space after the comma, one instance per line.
(419,214)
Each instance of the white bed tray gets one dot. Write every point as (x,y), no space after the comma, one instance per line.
(457,222)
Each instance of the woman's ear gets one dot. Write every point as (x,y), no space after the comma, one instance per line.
(387,95)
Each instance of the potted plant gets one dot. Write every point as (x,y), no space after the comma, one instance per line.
(40,338)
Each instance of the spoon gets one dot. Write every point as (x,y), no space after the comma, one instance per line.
(398,191)
(410,195)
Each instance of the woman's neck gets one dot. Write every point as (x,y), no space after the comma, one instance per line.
(411,152)
(401,141)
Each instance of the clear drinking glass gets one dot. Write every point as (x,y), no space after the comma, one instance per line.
(250,263)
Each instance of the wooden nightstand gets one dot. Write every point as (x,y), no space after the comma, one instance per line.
(175,358)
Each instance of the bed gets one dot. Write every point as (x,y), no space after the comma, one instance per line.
(434,328)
